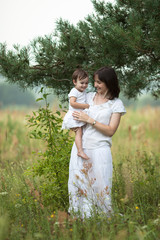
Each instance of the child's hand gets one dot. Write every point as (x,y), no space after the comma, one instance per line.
(87,105)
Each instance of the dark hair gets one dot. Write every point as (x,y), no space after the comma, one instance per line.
(109,77)
(79,73)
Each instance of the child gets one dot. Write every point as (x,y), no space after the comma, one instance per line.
(77,98)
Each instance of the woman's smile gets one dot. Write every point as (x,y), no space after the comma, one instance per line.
(100,86)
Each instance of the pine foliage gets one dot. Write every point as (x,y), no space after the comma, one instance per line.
(124,35)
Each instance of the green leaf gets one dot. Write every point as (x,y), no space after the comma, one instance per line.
(58,112)
(39,99)
(41,90)
(45,95)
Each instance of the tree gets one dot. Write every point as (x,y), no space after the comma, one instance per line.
(124,35)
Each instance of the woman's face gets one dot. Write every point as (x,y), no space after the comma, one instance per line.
(100,86)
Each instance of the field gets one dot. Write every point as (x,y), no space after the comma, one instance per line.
(25,211)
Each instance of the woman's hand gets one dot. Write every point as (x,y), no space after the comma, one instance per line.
(80,116)
(107,130)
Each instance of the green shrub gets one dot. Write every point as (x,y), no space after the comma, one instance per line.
(52,165)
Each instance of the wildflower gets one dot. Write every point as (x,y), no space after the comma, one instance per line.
(131,223)
(156,221)
(17,194)
(125,199)
(137,207)
(35,200)
(21,225)
(56,223)
(3,193)
(18,205)
(71,229)
(52,215)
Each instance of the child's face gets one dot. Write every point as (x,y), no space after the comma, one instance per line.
(81,84)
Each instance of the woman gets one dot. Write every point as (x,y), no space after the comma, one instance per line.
(90,181)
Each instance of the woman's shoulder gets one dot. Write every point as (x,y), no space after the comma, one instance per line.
(117,105)
(117,101)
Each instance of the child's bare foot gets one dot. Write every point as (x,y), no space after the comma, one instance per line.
(83,155)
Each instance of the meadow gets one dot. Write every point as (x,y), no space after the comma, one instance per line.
(30,205)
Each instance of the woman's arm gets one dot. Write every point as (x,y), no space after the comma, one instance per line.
(74,104)
(107,130)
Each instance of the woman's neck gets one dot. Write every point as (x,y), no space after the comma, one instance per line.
(100,98)
(102,95)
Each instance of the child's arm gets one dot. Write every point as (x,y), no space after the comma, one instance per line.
(74,104)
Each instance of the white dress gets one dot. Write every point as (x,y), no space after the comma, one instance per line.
(90,181)
(68,121)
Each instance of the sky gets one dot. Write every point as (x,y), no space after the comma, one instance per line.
(23,20)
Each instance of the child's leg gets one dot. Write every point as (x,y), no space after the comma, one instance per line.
(78,141)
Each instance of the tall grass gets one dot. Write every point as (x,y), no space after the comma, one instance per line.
(135,193)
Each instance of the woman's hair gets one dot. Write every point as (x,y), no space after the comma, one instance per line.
(79,73)
(109,77)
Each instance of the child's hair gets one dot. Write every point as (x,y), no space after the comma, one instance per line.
(79,73)
(109,77)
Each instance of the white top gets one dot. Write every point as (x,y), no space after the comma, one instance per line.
(101,113)
(80,98)
(68,121)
